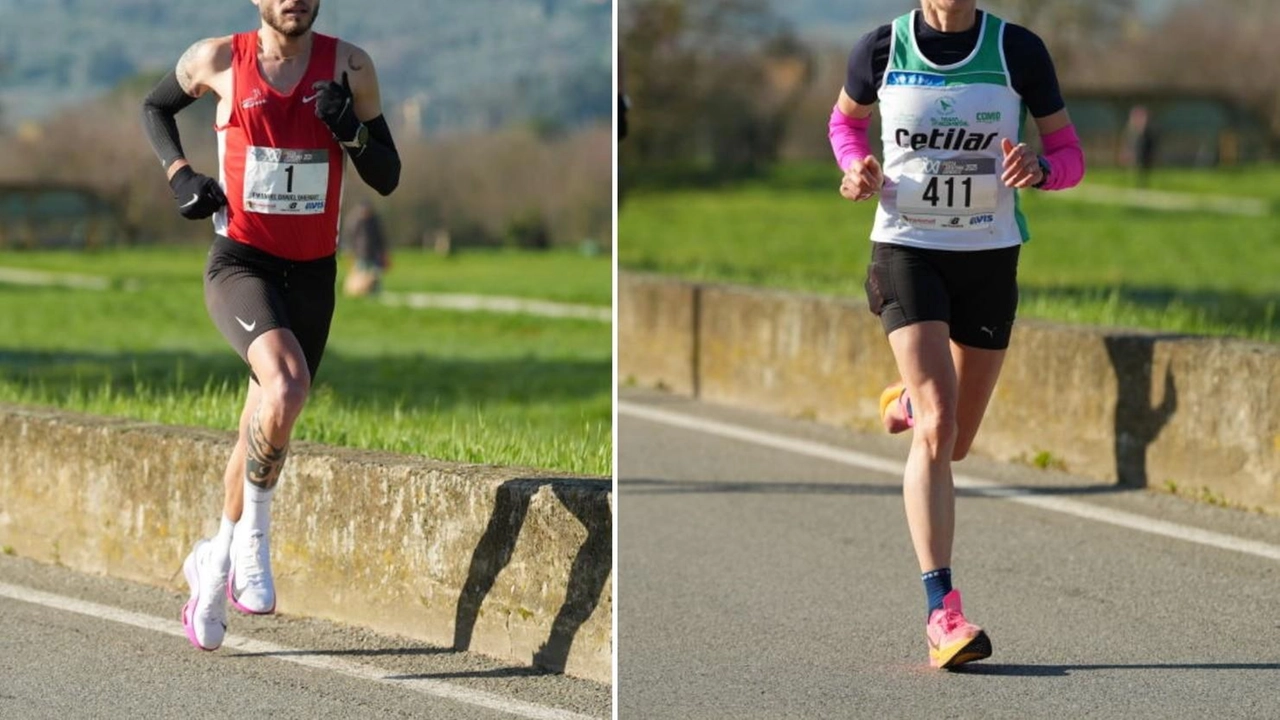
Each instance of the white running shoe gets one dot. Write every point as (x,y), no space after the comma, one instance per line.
(251,588)
(204,617)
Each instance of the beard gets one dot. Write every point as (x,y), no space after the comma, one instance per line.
(288,26)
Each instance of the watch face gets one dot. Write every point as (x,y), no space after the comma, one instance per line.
(361,139)
(1044,172)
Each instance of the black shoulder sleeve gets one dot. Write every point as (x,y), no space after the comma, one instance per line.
(164,101)
(1031,71)
(867,63)
(378,162)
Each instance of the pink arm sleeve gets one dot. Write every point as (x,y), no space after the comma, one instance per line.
(1066,159)
(848,137)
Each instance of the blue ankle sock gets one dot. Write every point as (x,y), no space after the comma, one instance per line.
(937,583)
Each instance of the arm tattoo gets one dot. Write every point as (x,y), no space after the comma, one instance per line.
(351,63)
(264,461)
(183,69)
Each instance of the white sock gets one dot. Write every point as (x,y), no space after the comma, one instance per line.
(257,508)
(222,543)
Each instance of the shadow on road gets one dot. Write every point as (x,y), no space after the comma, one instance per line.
(359,652)
(502,672)
(1007,670)
(650,486)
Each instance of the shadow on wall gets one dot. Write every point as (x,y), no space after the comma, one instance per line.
(587,577)
(1137,421)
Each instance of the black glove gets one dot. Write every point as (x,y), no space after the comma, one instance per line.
(336,109)
(198,196)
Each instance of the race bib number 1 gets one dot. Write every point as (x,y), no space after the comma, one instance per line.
(285,182)
(964,191)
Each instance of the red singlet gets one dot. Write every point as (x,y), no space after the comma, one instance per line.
(280,166)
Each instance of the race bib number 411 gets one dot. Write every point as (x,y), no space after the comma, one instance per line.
(285,182)
(965,191)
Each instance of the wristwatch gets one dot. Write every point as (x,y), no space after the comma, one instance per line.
(1045,169)
(360,140)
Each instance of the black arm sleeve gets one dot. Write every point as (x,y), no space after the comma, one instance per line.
(158,111)
(1031,71)
(378,162)
(867,64)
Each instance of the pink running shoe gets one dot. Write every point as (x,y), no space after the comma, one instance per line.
(895,409)
(952,639)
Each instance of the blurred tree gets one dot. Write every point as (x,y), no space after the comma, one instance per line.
(1072,29)
(711,82)
(1223,48)
(108,64)
(1220,46)
(4,74)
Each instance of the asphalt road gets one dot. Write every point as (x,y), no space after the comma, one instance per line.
(779,582)
(74,646)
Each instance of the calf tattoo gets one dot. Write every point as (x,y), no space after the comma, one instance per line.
(263,462)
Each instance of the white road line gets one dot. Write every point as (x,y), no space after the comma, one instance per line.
(425,686)
(40,278)
(498,304)
(1165,200)
(976,485)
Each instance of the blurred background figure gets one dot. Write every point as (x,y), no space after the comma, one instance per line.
(624,102)
(363,236)
(1140,144)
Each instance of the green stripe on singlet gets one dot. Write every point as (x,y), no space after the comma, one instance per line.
(1023,228)
(985,68)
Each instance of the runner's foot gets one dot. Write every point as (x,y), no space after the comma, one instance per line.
(204,616)
(251,588)
(953,640)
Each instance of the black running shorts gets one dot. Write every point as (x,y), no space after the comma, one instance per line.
(248,292)
(974,292)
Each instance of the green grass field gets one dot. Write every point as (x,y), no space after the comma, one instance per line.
(470,387)
(1183,272)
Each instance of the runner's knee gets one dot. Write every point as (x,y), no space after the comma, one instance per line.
(938,431)
(287,392)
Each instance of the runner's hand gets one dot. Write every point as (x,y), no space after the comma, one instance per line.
(1021,166)
(198,196)
(862,179)
(336,108)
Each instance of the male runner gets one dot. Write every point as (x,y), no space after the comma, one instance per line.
(292,104)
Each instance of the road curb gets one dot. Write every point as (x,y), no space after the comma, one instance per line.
(1139,409)
(507,562)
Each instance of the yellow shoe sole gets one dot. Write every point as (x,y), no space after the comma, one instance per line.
(976,648)
(890,396)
